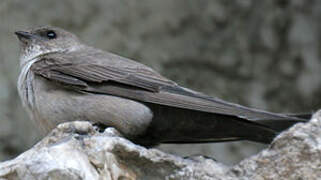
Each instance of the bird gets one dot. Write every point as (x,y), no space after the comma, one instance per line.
(62,79)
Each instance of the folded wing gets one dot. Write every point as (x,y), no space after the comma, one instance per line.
(138,83)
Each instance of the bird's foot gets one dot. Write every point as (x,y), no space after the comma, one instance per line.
(100,127)
(77,127)
(106,130)
(67,130)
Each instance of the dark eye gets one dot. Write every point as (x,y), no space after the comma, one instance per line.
(51,34)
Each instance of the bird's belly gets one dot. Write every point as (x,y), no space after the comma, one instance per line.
(55,106)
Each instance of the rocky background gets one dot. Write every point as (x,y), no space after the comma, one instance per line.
(263,54)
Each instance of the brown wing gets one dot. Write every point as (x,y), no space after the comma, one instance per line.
(63,69)
(140,84)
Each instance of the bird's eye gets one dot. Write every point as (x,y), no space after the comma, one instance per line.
(51,35)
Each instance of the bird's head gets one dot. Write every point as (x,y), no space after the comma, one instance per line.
(41,40)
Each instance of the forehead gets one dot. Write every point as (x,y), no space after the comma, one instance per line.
(60,33)
(47,28)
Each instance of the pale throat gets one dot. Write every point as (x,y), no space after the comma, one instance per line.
(25,81)
(29,56)
(30,53)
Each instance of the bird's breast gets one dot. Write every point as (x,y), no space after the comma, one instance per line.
(51,104)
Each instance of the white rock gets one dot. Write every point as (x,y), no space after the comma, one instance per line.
(64,154)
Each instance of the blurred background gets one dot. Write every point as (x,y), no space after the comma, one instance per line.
(264,54)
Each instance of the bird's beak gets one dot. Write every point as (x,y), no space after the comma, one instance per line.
(23,35)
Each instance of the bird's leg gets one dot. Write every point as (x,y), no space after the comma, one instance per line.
(103,128)
(100,127)
(77,127)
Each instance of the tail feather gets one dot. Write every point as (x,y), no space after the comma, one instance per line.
(177,125)
(279,125)
(305,116)
(285,121)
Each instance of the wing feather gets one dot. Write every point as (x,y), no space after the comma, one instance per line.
(140,84)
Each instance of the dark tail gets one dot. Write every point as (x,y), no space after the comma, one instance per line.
(285,121)
(176,125)
(304,116)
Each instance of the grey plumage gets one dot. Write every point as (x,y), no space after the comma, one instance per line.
(65,80)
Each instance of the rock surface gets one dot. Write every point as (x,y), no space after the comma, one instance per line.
(77,151)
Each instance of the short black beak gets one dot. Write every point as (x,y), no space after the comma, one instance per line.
(23,35)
